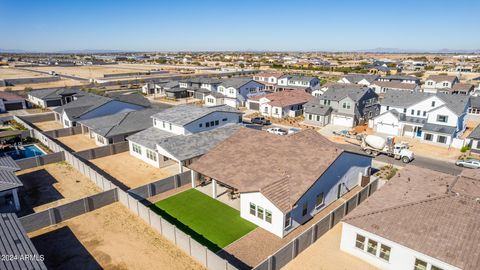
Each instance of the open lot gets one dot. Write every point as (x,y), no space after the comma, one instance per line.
(207,220)
(91,72)
(108,238)
(266,243)
(45,85)
(132,171)
(51,185)
(332,258)
(14,73)
(48,125)
(78,142)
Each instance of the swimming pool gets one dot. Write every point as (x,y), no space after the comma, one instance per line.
(28,151)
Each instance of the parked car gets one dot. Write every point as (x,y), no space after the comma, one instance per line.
(278,131)
(260,120)
(469,163)
(294,130)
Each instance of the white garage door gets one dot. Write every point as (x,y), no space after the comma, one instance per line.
(342,121)
(231,102)
(387,128)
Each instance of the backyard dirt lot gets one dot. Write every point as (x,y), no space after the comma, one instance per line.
(14,73)
(108,238)
(78,142)
(52,185)
(48,125)
(132,171)
(266,243)
(332,257)
(90,72)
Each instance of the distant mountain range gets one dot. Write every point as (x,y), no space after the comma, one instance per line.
(397,50)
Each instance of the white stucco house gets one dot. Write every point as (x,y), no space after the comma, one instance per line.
(436,83)
(362,79)
(91,106)
(279,182)
(287,103)
(432,228)
(433,118)
(292,82)
(234,92)
(269,79)
(183,133)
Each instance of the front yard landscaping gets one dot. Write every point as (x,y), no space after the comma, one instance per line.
(208,221)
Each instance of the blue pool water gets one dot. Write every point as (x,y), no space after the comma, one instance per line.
(28,151)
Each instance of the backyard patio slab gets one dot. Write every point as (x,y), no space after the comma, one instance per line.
(131,171)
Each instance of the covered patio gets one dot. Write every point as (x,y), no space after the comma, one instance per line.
(217,190)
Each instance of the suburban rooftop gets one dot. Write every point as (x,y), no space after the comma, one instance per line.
(184,114)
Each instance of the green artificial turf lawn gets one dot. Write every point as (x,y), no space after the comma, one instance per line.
(208,221)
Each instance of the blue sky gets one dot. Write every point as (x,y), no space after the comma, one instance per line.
(140,25)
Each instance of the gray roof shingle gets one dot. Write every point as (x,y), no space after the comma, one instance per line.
(14,241)
(184,114)
(49,94)
(338,92)
(149,137)
(439,128)
(475,133)
(8,180)
(7,163)
(314,107)
(121,123)
(355,78)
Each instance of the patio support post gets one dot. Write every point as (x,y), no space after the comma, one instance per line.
(214,188)
(194,176)
(180,166)
(15,199)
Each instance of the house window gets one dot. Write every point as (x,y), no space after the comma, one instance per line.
(137,148)
(320,200)
(404,110)
(151,155)
(163,123)
(100,139)
(420,265)
(216,123)
(224,119)
(165,158)
(360,242)
(253,209)
(170,125)
(288,220)
(428,137)
(200,125)
(388,108)
(212,123)
(265,110)
(318,118)
(433,103)
(305,209)
(385,252)
(259,212)
(412,112)
(424,113)
(268,216)
(346,105)
(442,118)
(372,247)
(418,112)
(310,117)
(207,124)
(441,139)
(232,91)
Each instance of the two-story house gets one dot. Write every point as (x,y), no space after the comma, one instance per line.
(269,79)
(342,104)
(436,118)
(234,92)
(437,83)
(199,87)
(362,79)
(292,82)
(53,97)
(184,132)
(400,79)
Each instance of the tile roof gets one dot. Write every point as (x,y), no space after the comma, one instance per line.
(434,213)
(396,85)
(356,78)
(149,137)
(184,114)
(15,242)
(286,97)
(463,86)
(475,133)
(121,123)
(440,78)
(8,180)
(280,167)
(340,91)
(48,94)
(401,77)
(439,128)
(300,78)
(8,96)
(314,107)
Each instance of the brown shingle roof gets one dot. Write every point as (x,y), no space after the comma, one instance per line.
(286,98)
(281,167)
(439,78)
(431,212)
(396,85)
(463,86)
(9,96)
